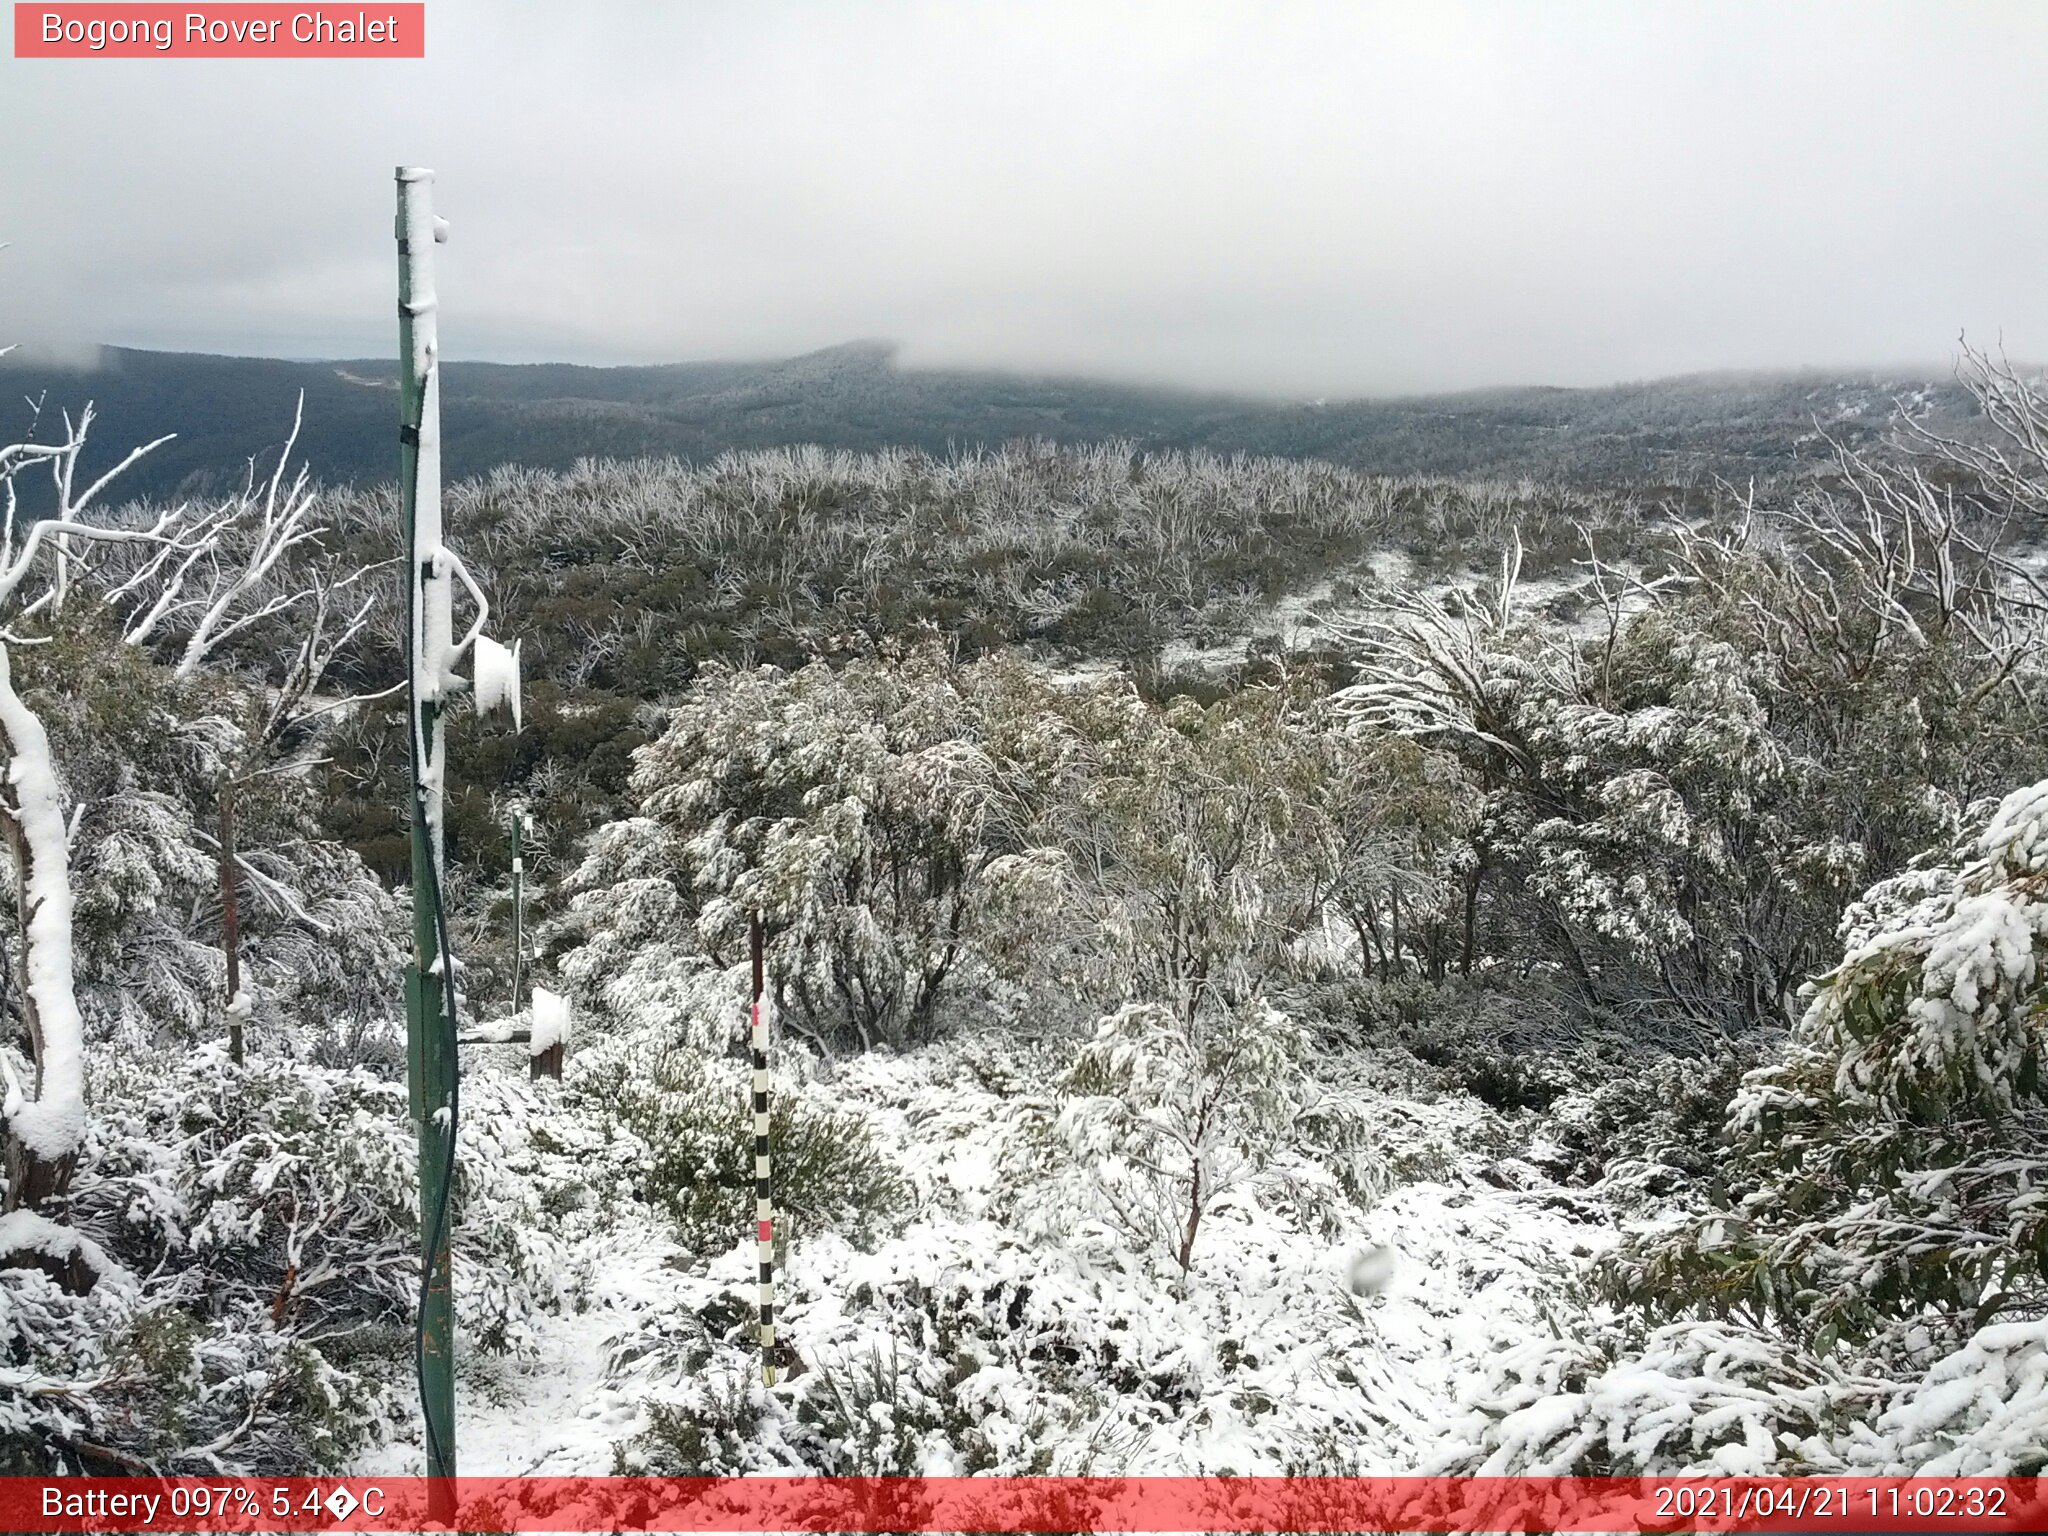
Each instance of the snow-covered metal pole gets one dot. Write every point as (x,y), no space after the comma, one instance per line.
(764,1194)
(430,653)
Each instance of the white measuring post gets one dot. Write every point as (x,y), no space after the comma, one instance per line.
(764,1187)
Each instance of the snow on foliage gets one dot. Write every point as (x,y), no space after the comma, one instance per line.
(271,1210)
(1162,1118)
(1221,1080)
(972,1334)
(855,810)
(25,1232)
(1691,797)
(1838,1305)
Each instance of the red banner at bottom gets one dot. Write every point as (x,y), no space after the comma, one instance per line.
(1023,1504)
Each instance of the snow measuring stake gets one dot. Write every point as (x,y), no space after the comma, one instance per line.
(764,1195)
(430,979)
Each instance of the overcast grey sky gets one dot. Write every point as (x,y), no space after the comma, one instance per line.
(1279,195)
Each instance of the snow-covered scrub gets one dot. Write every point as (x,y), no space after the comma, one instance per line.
(254,1233)
(1404,1056)
(1194,838)
(697,1152)
(918,832)
(1164,1117)
(142,759)
(1886,1176)
(987,1327)
(857,810)
(209,575)
(45,1120)
(1865,1290)
(1677,810)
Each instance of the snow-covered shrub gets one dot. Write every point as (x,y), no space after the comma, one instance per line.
(1677,808)
(1491,1039)
(855,809)
(720,1428)
(1198,838)
(1886,1170)
(1720,1398)
(945,1353)
(141,756)
(1980,1411)
(130,1378)
(896,1410)
(693,1116)
(1399,819)
(304,1182)
(1650,1129)
(269,1212)
(1163,1117)
(1863,1288)
(635,958)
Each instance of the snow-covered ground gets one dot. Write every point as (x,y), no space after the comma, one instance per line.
(1340,1348)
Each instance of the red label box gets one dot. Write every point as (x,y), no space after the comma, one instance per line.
(752,1506)
(242,31)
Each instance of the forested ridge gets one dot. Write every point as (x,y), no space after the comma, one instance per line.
(1278,966)
(861,398)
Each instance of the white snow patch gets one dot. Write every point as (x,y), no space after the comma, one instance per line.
(550,1020)
(28,1232)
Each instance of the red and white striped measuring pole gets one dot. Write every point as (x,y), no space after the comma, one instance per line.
(764,1197)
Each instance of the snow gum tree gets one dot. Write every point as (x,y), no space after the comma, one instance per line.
(1678,804)
(1400,817)
(105,848)
(1203,845)
(247,587)
(1199,840)
(859,811)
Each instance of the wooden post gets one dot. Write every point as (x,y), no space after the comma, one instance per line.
(547,1042)
(231,934)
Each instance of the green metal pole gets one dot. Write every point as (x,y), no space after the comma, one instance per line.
(429,638)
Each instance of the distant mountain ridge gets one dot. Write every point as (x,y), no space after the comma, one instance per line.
(856,396)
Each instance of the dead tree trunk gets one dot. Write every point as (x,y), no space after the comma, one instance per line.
(44,1133)
(231,934)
